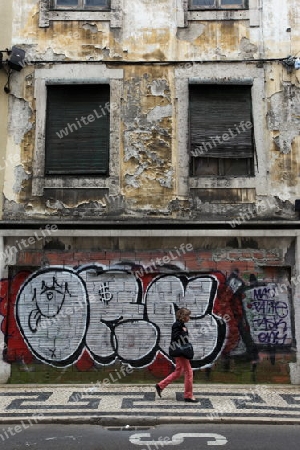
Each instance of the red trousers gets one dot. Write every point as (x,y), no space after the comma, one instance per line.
(183,366)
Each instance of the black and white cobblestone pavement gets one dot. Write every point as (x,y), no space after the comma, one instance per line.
(139,404)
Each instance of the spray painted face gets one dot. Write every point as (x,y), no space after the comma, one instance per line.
(51,298)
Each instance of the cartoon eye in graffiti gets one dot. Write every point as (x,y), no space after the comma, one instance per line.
(52,313)
(207,331)
(49,302)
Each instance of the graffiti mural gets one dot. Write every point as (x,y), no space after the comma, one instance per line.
(94,314)
(60,312)
(268,313)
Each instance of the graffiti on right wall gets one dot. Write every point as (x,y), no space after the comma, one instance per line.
(258,316)
(268,314)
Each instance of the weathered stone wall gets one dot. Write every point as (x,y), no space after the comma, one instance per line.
(157,53)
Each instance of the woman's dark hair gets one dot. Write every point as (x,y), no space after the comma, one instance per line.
(182,313)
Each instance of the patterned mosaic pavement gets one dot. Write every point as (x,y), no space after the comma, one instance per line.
(140,404)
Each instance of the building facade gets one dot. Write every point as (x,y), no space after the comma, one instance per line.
(151,163)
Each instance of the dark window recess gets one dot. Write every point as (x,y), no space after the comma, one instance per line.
(221,130)
(77,129)
(218,4)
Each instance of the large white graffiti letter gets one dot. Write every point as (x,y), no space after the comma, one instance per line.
(52,313)
(118,328)
(168,293)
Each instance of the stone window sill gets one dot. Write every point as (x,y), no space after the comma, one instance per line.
(219,15)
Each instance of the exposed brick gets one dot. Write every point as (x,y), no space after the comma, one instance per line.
(124,256)
(193,264)
(258,255)
(59,257)
(113,255)
(85,256)
(234,255)
(29,258)
(100,255)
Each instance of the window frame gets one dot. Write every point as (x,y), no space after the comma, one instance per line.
(221,162)
(251,13)
(80,7)
(73,74)
(218,6)
(48,14)
(215,73)
(49,152)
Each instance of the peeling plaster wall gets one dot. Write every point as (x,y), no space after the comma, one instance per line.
(5,157)
(148,119)
(5,42)
(149,46)
(281,28)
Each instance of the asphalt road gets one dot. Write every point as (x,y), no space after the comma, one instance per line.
(181,437)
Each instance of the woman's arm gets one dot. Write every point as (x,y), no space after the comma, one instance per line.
(178,332)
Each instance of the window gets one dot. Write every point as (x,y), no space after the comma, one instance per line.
(221,130)
(77,129)
(80,10)
(81,4)
(218,4)
(71,118)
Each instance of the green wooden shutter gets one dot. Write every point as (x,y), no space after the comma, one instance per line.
(76,146)
(219,109)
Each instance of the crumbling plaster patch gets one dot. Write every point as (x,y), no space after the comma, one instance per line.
(19,119)
(159,112)
(248,50)
(284,116)
(147,134)
(92,27)
(160,88)
(191,33)
(55,205)
(20,176)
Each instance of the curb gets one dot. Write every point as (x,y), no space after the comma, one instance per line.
(133,422)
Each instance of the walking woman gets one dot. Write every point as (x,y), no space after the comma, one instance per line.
(183,365)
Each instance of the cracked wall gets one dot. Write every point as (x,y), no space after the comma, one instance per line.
(149,48)
(5,42)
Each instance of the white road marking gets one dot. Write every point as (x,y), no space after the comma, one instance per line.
(177,439)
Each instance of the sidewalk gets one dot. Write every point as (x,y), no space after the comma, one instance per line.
(139,405)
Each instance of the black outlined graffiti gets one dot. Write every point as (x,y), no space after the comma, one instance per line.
(268,313)
(115,319)
(52,313)
(167,293)
(62,311)
(119,327)
(48,303)
(104,293)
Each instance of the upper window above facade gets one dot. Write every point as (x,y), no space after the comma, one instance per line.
(218,4)
(81,10)
(221,130)
(81,4)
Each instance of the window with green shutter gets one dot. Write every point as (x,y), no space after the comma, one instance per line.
(77,129)
(221,130)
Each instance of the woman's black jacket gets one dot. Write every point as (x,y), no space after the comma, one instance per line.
(178,334)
